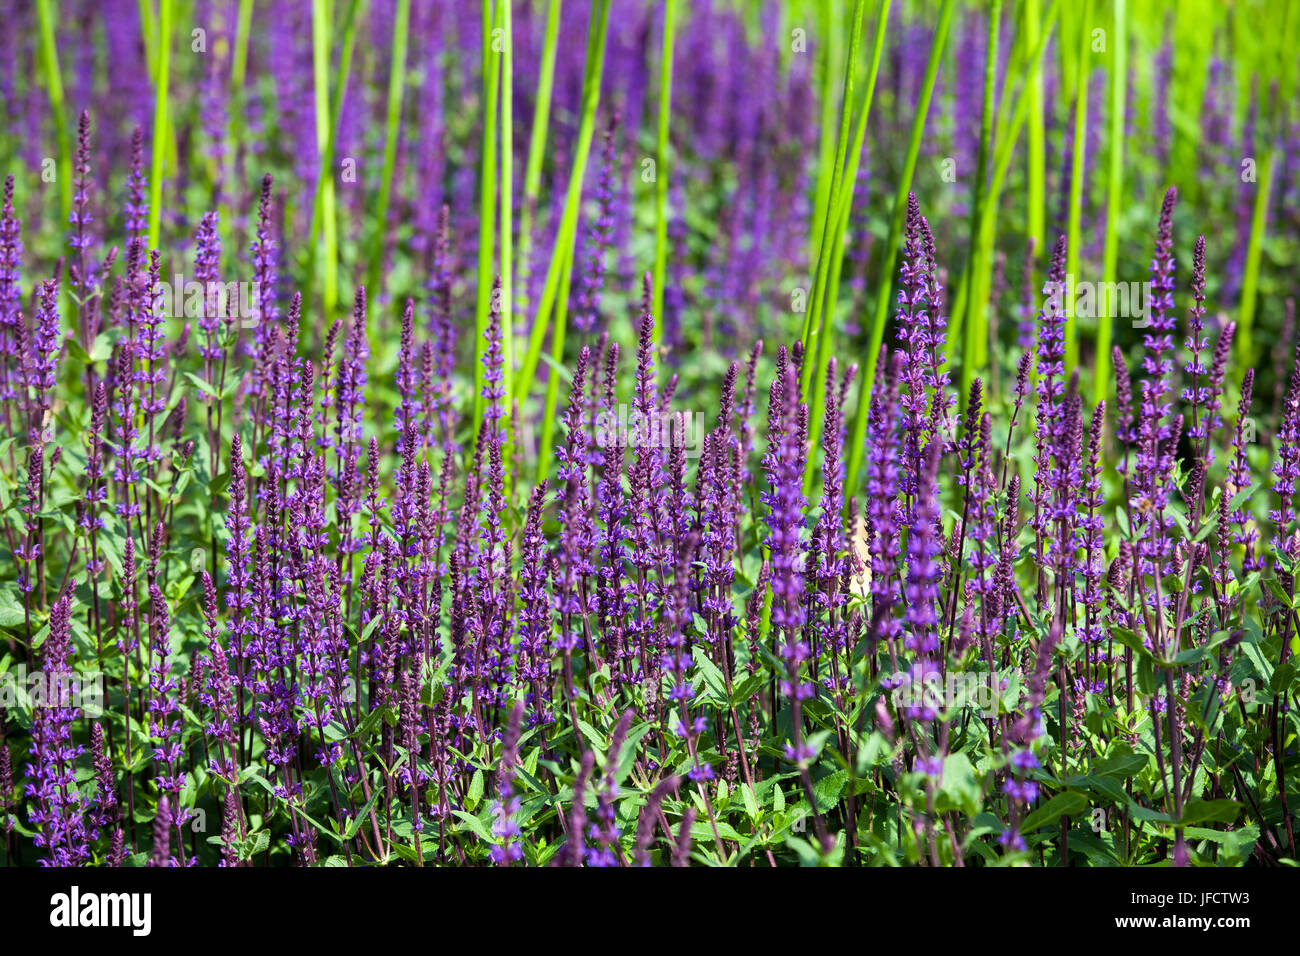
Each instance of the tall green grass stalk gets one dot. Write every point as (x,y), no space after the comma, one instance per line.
(396,90)
(662,161)
(824,220)
(556,293)
(976,338)
(1250,278)
(356,14)
(1114,193)
(159,120)
(238,70)
(536,148)
(829,54)
(148,24)
(54,89)
(507,137)
(544,453)
(1019,115)
(1036,154)
(320,38)
(885,288)
(486,200)
(825,303)
(1006,143)
(1074,228)
(553,288)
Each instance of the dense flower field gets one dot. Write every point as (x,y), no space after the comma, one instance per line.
(620,433)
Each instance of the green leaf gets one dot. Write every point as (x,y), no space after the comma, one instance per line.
(827,790)
(355,823)
(255,844)
(1201,811)
(713,678)
(1063,804)
(959,789)
(1124,765)
(1282,678)
(475,792)
(475,824)
(202,385)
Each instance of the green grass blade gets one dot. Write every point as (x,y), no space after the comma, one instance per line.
(1074,228)
(325,186)
(553,288)
(396,90)
(54,88)
(815,391)
(976,337)
(662,161)
(356,13)
(829,54)
(159,120)
(825,216)
(238,70)
(883,296)
(536,148)
(564,250)
(504,18)
(1036,173)
(1250,278)
(486,201)
(1114,193)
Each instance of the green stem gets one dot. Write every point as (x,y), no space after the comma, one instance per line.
(356,13)
(1036,175)
(54,88)
(159,120)
(396,90)
(829,54)
(891,248)
(1250,279)
(976,315)
(1114,192)
(661,165)
(486,201)
(1074,228)
(536,146)
(320,76)
(238,70)
(825,303)
(572,200)
(824,219)
(562,259)
(504,18)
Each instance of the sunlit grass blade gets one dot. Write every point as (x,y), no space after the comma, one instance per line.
(356,13)
(506,80)
(160,120)
(567,234)
(976,338)
(824,220)
(1074,228)
(1250,277)
(1101,383)
(562,258)
(486,200)
(54,89)
(1035,158)
(396,90)
(825,302)
(662,161)
(536,150)
(320,35)
(885,279)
